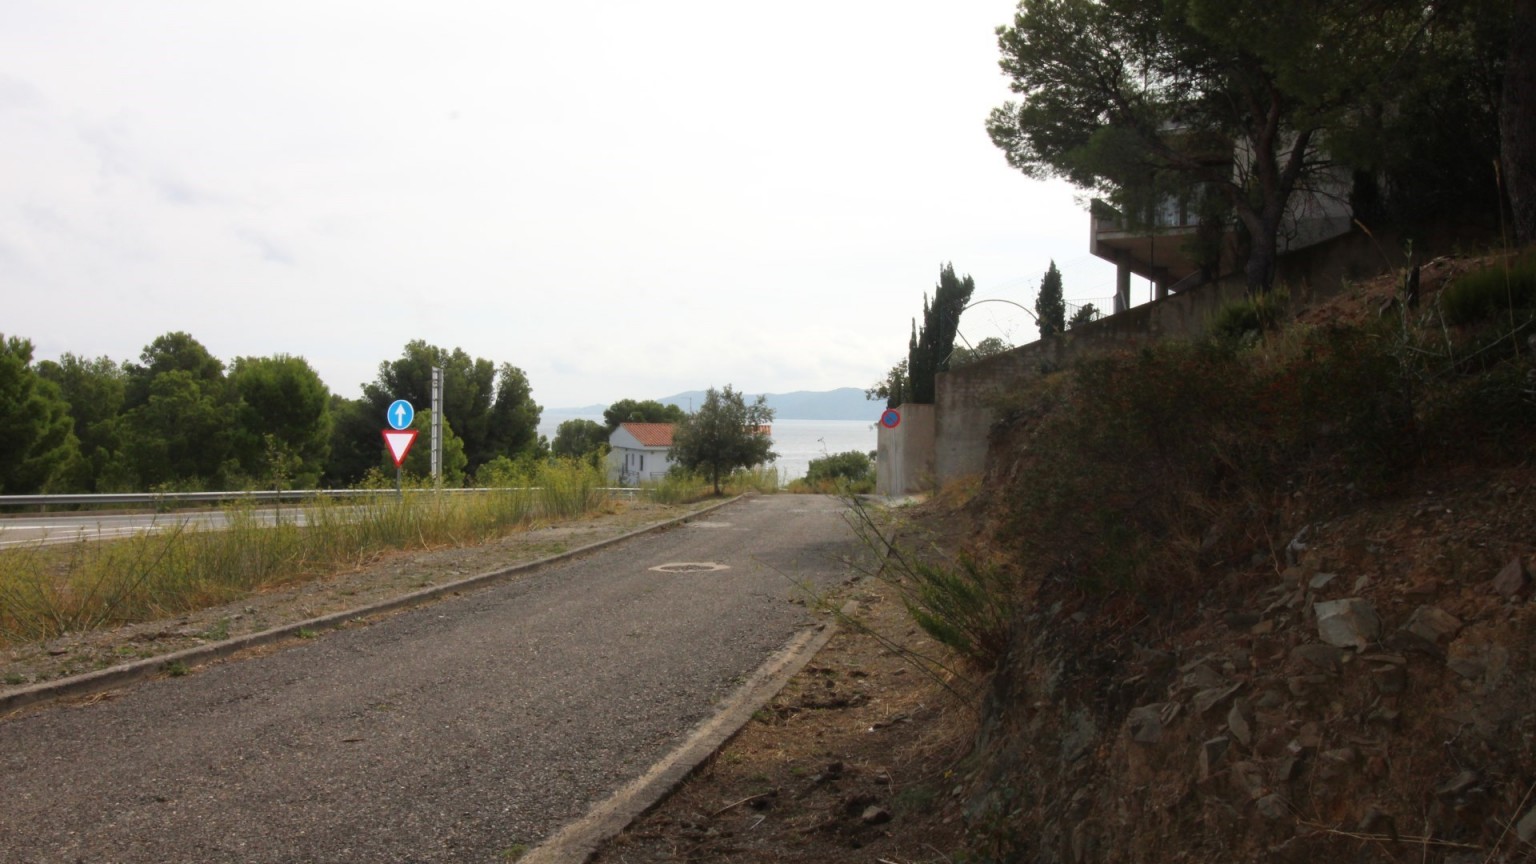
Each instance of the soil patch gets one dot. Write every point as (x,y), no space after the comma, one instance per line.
(849,762)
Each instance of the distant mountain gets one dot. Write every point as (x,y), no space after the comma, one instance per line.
(582,411)
(844,403)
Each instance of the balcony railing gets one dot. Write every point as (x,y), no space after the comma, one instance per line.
(1170,214)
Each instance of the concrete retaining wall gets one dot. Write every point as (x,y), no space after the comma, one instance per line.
(968,398)
(904,458)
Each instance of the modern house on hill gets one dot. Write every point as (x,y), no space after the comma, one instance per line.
(638,452)
(1166,243)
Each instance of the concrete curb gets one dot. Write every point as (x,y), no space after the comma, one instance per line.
(150,667)
(578,841)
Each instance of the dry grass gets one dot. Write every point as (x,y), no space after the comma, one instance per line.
(47,591)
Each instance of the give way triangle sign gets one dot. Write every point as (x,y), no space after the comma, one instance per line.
(399,442)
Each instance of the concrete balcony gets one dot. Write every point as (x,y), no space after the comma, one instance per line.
(1153,250)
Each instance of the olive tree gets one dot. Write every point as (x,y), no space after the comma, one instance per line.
(726,433)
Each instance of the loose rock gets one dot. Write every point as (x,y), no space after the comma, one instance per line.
(875,815)
(1274,807)
(1433,624)
(1514,580)
(1211,754)
(1240,722)
(1146,723)
(1348,623)
(1205,700)
(1326,657)
(1526,827)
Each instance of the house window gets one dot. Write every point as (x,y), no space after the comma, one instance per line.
(642,461)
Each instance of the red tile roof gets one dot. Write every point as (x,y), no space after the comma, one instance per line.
(650,434)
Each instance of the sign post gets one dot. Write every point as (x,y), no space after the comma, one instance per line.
(437,427)
(398,437)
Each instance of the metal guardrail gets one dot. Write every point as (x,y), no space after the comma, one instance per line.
(180,497)
(158,498)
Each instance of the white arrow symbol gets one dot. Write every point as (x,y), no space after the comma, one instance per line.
(400,415)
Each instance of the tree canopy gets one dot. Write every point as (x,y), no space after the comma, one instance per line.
(725,433)
(95,391)
(988,347)
(179,418)
(282,418)
(491,408)
(577,438)
(37,440)
(635,411)
(1140,100)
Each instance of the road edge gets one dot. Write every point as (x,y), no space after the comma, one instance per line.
(578,841)
(150,667)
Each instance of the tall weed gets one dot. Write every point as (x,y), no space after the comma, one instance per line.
(964,604)
(685,487)
(47,591)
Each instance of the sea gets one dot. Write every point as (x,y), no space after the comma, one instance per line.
(796,441)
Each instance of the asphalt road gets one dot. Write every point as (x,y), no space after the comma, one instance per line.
(460,731)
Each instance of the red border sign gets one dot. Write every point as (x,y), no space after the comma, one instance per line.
(891,418)
(399,442)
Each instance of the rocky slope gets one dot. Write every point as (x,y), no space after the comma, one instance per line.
(1371,700)
(1351,678)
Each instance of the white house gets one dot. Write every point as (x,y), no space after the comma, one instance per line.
(638,452)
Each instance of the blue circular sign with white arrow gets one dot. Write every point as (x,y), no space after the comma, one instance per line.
(400,414)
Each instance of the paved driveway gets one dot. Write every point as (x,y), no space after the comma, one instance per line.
(454,732)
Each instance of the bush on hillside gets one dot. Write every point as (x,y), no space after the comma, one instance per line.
(1128,471)
(1492,293)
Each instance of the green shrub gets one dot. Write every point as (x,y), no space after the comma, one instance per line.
(1494,292)
(1245,321)
(852,465)
(848,473)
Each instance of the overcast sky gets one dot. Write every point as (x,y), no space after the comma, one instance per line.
(624,199)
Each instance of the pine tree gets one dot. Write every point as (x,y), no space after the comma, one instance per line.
(929,351)
(37,439)
(1050,308)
